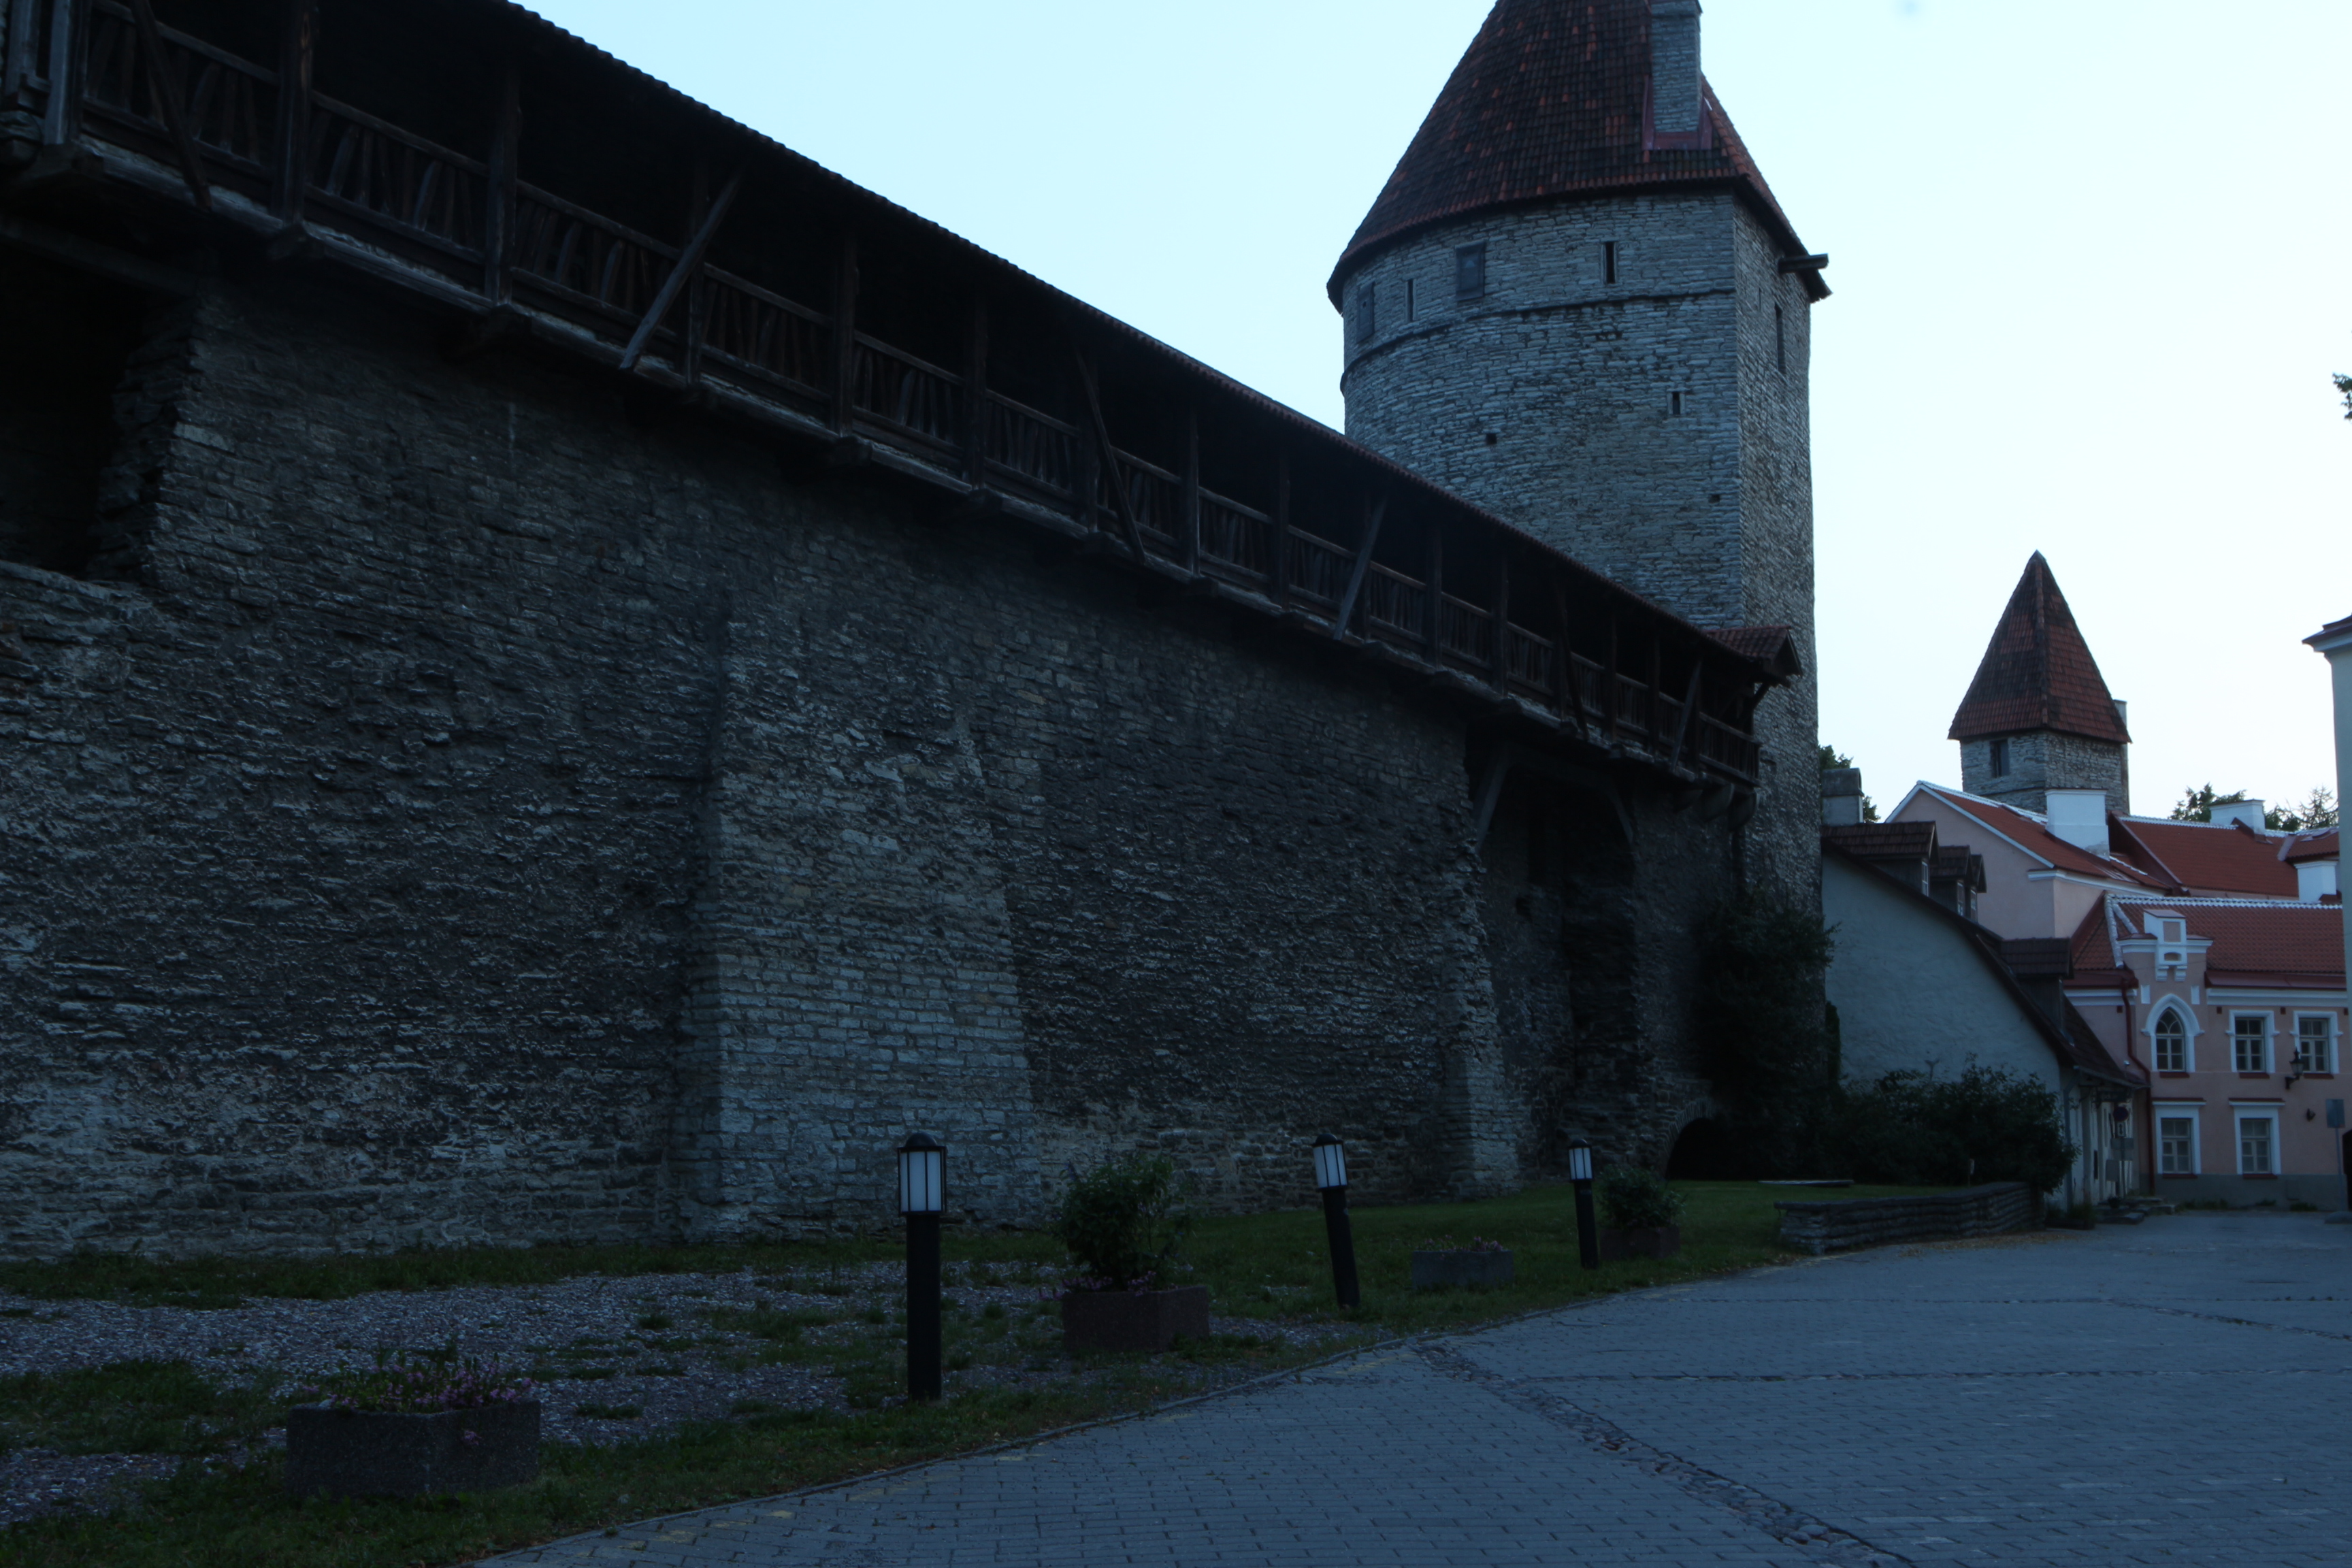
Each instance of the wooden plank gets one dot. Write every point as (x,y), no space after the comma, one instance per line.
(1435,600)
(1281,531)
(1364,562)
(1682,725)
(845,331)
(16,71)
(61,116)
(1111,460)
(697,289)
(1502,666)
(1190,543)
(89,255)
(498,233)
(298,45)
(680,272)
(975,392)
(167,95)
(1568,691)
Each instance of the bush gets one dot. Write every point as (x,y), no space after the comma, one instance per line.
(1769,1051)
(1635,1198)
(1123,1221)
(1990,1124)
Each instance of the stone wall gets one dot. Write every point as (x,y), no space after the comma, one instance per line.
(444,811)
(1654,425)
(1843,1225)
(2043,759)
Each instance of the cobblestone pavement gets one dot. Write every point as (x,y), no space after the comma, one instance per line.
(2169,1394)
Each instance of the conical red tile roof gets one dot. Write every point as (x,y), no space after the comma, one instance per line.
(2038,672)
(1551,100)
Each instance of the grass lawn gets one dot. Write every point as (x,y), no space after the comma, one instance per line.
(1270,1266)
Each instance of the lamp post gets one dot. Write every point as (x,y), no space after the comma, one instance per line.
(922,1190)
(1580,1171)
(1331,1176)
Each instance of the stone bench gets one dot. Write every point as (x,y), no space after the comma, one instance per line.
(1843,1223)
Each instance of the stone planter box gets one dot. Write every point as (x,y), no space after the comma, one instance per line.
(1133,1320)
(1463,1270)
(1650,1241)
(1841,1223)
(377,1453)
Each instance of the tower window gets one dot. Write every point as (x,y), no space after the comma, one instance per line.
(1674,404)
(1780,339)
(1470,270)
(1609,261)
(1368,302)
(1999,762)
(1410,312)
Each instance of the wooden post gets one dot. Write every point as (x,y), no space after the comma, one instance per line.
(1280,573)
(1431,637)
(1503,622)
(502,242)
(1612,697)
(975,394)
(1190,545)
(1377,509)
(298,43)
(844,331)
(1108,454)
(1568,696)
(61,116)
(24,27)
(682,274)
(167,99)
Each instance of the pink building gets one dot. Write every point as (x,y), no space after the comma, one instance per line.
(2236,1008)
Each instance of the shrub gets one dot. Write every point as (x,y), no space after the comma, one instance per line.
(1633,1197)
(1123,1220)
(1770,1049)
(1989,1125)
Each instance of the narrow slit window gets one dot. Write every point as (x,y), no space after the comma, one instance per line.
(1779,339)
(1368,302)
(1609,261)
(1998,763)
(1411,312)
(1674,404)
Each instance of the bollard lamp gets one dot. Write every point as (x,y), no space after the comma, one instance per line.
(1580,1161)
(1330,1162)
(922,1174)
(1580,1171)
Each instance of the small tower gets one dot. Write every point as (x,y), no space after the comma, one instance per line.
(2039,717)
(1577,303)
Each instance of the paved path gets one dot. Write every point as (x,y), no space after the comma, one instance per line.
(2174,1393)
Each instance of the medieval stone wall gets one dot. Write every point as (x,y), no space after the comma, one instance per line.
(2043,759)
(448,812)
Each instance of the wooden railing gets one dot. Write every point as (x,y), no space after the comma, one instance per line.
(200,113)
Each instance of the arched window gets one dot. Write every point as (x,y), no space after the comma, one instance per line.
(2171,1042)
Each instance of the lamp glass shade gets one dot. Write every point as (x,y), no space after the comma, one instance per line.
(1330,1162)
(923,1175)
(1580,1161)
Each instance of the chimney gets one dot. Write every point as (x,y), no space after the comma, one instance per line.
(1673,67)
(1842,797)
(2249,812)
(2080,817)
(2314,880)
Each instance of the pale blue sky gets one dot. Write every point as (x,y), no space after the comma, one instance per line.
(2089,260)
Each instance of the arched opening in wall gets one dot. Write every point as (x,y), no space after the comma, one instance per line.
(65,341)
(1706,1151)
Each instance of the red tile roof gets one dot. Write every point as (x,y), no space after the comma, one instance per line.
(1551,100)
(2037,839)
(2037,673)
(2205,859)
(2324,845)
(2253,940)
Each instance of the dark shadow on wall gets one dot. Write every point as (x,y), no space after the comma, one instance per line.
(65,341)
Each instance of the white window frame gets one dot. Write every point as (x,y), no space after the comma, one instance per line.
(2264,1016)
(2327,1021)
(2196,1140)
(2188,1031)
(2238,1120)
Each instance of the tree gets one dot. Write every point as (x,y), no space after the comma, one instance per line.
(1759,1012)
(2343,385)
(2198,805)
(2317,810)
(1833,758)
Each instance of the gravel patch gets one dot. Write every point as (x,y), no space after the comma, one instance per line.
(618,1358)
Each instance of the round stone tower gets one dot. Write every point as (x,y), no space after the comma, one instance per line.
(1577,303)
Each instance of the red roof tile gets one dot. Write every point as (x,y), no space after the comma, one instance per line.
(1550,100)
(2037,673)
(2204,858)
(2037,838)
(2250,938)
(2327,843)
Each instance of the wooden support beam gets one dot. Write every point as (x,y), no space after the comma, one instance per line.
(498,236)
(1502,670)
(975,393)
(688,265)
(1190,545)
(167,95)
(297,48)
(844,331)
(1490,792)
(16,66)
(697,296)
(1613,699)
(1363,566)
(1684,725)
(1435,589)
(61,116)
(1281,563)
(104,261)
(1566,697)
(1109,457)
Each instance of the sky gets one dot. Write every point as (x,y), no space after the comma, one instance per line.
(2089,260)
